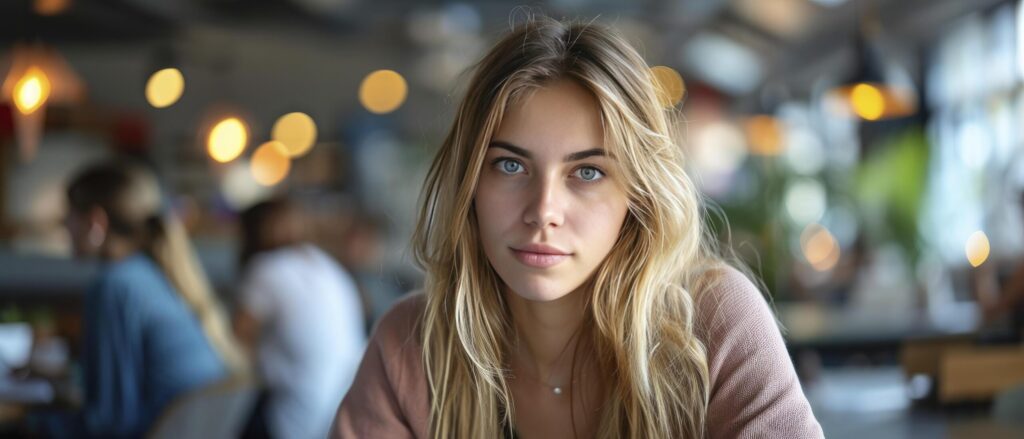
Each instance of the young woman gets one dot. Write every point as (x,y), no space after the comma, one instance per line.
(572,289)
(152,328)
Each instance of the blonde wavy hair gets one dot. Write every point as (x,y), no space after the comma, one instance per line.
(640,320)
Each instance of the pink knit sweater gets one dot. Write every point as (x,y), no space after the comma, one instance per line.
(754,389)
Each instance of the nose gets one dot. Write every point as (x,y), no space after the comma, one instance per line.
(546,206)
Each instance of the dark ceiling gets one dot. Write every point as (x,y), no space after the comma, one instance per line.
(790,37)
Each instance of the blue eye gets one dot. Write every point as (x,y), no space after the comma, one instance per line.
(509,166)
(589,173)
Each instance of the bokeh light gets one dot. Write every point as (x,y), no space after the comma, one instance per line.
(764,135)
(31,91)
(50,7)
(719,148)
(804,152)
(383,91)
(296,131)
(669,85)
(806,201)
(227,139)
(820,248)
(977,248)
(165,87)
(867,101)
(270,163)
(239,188)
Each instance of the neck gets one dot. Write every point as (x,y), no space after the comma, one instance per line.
(548,332)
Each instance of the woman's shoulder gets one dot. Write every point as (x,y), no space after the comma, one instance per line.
(728,300)
(724,283)
(389,397)
(754,387)
(398,328)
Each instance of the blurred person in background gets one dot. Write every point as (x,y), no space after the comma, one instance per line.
(153,330)
(301,316)
(362,253)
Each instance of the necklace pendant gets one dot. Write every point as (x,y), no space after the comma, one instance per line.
(557,390)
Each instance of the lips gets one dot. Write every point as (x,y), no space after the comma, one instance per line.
(540,255)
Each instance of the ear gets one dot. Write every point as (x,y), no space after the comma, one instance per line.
(97,217)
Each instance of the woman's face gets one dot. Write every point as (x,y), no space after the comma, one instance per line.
(547,203)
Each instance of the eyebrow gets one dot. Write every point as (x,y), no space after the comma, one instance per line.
(578,155)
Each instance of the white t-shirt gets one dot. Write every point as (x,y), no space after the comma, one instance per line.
(312,336)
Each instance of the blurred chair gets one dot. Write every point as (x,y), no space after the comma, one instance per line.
(1008,406)
(980,373)
(923,356)
(219,410)
(962,370)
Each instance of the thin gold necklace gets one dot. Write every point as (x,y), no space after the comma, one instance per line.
(557,390)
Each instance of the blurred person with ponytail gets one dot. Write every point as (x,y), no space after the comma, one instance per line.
(152,327)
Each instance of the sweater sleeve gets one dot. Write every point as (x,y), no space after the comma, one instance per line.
(754,388)
(388,397)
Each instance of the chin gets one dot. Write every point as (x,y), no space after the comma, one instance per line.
(539,290)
